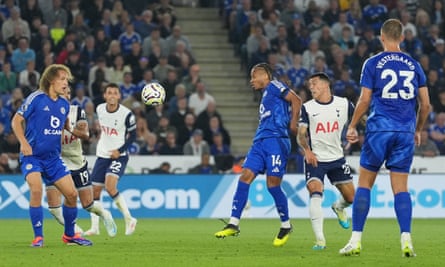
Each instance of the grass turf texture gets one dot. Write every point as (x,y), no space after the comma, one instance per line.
(191,242)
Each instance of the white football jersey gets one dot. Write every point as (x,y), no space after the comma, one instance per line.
(114,127)
(325,122)
(71,145)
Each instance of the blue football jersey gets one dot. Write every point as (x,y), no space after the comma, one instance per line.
(394,78)
(274,112)
(45,119)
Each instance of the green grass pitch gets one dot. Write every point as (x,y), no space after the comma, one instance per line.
(190,242)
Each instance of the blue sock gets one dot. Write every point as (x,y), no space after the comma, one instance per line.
(36,215)
(240,199)
(360,208)
(403,208)
(69,215)
(280,202)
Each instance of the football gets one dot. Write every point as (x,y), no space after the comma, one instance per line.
(153,94)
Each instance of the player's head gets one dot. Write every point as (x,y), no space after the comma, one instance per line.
(55,79)
(391,31)
(112,94)
(318,84)
(260,76)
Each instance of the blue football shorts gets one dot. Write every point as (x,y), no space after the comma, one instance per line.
(268,156)
(337,171)
(108,166)
(396,148)
(51,168)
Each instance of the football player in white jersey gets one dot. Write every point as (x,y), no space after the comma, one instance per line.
(319,134)
(118,131)
(75,160)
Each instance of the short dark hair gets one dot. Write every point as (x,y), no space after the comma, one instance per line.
(321,75)
(265,67)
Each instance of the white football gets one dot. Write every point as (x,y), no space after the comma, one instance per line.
(153,94)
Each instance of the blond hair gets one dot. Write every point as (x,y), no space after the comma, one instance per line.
(392,29)
(50,73)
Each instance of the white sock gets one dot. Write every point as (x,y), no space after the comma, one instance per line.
(316,216)
(341,203)
(356,237)
(94,221)
(96,208)
(122,206)
(234,221)
(285,224)
(57,214)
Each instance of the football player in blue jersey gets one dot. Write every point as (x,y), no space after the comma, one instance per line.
(278,116)
(38,125)
(320,136)
(392,84)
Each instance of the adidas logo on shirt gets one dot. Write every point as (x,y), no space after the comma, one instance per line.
(276,169)
(46,108)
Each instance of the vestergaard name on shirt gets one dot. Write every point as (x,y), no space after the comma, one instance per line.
(394,57)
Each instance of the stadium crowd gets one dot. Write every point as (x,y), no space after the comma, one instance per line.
(133,42)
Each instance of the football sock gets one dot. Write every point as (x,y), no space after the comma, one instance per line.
(56,212)
(316,215)
(69,216)
(360,208)
(403,208)
(281,204)
(122,206)
(96,208)
(341,203)
(36,215)
(240,199)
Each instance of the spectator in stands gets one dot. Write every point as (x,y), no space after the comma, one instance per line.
(5,118)
(411,44)
(218,147)
(191,80)
(127,38)
(427,147)
(316,25)
(438,55)
(164,168)
(321,66)
(3,55)
(163,8)
(162,68)
(132,59)
(204,167)
(285,57)
(106,72)
(118,69)
(326,40)
(345,83)
(62,57)
(215,126)
(15,100)
(144,25)
(260,55)
(80,99)
(96,89)
(196,145)
(310,54)
(199,100)
(253,43)
(332,14)
(288,12)
(298,35)
(114,49)
(375,14)
(12,42)
(127,87)
(439,106)
(140,69)
(94,9)
(23,77)
(169,83)
(170,147)
(156,53)
(434,85)
(77,68)
(266,9)
(102,40)
(165,27)
(309,10)
(154,115)
(163,128)
(338,26)
(22,55)
(179,55)
(80,27)
(15,21)
(151,145)
(180,92)
(177,117)
(405,18)
(57,12)
(346,42)
(8,79)
(89,53)
(436,132)
(271,24)
(155,36)
(296,73)
(72,9)
(373,42)
(147,76)
(437,12)
(185,131)
(175,37)
(29,10)
(112,29)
